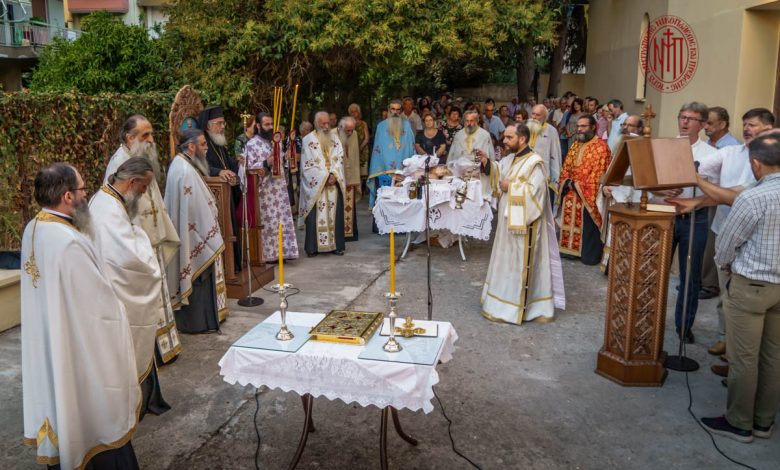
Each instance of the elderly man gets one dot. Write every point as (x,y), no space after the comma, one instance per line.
(393,143)
(717,128)
(131,266)
(138,140)
(491,122)
(747,249)
(212,122)
(579,216)
(546,143)
(472,143)
(80,393)
(411,115)
(322,189)
(351,146)
(195,275)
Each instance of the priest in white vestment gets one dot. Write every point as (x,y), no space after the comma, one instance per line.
(349,142)
(80,391)
(546,142)
(131,266)
(524,280)
(468,145)
(138,141)
(322,189)
(195,276)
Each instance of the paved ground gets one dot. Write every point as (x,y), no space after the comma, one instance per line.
(520,397)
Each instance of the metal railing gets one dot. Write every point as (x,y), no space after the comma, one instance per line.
(33,33)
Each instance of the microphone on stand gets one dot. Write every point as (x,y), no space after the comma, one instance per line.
(249,300)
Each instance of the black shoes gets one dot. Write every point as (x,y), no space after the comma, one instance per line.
(721,427)
(339,252)
(708,293)
(763,432)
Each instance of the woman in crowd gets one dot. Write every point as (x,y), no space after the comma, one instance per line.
(430,140)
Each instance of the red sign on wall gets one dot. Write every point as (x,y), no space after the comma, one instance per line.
(669,54)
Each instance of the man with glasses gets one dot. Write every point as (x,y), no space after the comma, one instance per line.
(80,389)
(690,122)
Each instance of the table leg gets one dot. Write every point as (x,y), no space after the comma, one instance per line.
(308,403)
(397,424)
(460,246)
(406,246)
(383,439)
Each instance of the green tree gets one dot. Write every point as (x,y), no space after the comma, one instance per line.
(109,56)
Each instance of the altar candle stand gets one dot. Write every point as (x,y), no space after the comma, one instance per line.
(283,334)
(392,344)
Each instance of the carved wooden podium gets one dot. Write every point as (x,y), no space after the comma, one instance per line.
(639,261)
(184,113)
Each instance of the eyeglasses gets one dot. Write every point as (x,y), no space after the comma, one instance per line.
(689,118)
(83,188)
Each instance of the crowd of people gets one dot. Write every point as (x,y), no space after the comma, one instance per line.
(141,259)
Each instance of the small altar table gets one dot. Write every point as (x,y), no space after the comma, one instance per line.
(334,371)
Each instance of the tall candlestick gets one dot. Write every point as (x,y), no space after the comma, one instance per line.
(392,260)
(281,257)
(295,102)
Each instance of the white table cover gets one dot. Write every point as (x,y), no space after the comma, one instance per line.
(334,371)
(474,220)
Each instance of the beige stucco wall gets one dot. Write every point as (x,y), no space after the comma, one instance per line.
(503,93)
(737,55)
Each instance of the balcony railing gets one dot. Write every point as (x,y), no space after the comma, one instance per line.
(33,33)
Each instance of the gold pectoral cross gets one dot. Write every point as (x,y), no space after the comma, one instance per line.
(153,212)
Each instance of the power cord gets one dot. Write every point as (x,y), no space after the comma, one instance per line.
(712,438)
(449,432)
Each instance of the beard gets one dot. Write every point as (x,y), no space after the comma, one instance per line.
(585,136)
(394,125)
(471,129)
(218,138)
(534,126)
(266,134)
(82,219)
(132,199)
(149,151)
(324,137)
(199,159)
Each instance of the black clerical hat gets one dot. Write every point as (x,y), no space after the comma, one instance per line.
(211,112)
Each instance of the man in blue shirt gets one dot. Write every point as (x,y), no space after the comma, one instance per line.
(615,107)
(717,128)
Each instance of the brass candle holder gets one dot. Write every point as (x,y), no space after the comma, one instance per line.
(283,334)
(392,345)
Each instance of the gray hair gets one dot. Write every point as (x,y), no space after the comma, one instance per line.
(470,111)
(354,106)
(395,101)
(129,126)
(766,149)
(321,113)
(697,107)
(346,120)
(52,182)
(305,126)
(187,137)
(136,167)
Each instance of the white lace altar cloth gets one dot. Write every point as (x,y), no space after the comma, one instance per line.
(333,370)
(406,215)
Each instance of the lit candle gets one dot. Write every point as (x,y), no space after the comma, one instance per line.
(392,261)
(281,258)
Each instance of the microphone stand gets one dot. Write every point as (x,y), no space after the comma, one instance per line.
(427,185)
(680,362)
(249,300)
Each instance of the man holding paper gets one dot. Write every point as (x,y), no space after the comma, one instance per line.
(524,280)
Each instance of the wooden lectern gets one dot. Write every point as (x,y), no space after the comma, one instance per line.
(639,261)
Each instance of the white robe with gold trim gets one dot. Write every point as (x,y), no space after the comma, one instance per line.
(463,146)
(131,267)
(524,280)
(80,392)
(156,222)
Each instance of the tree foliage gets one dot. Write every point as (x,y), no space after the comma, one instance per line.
(109,56)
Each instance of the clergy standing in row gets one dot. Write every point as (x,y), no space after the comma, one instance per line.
(272,194)
(131,266)
(137,140)
(195,275)
(322,189)
(546,142)
(80,391)
(470,144)
(212,122)
(524,280)
(580,218)
(351,146)
(393,143)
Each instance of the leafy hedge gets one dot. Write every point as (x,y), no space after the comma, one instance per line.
(37,129)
